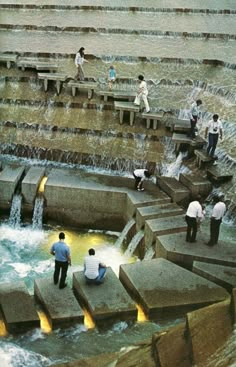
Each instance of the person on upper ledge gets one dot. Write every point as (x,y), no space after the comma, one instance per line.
(140,175)
(142,93)
(79,61)
(195,114)
(193,217)
(214,130)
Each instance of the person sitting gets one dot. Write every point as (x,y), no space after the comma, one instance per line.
(94,269)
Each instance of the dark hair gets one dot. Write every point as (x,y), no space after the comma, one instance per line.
(140,77)
(91,251)
(199,101)
(147,173)
(215,117)
(81,51)
(61,236)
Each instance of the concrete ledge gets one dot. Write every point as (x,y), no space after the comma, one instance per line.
(129,107)
(109,301)
(219,174)
(8,58)
(234,304)
(181,125)
(60,304)
(162,287)
(30,183)
(18,307)
(224,276)
(175,189)
(9,178)
(173,247)
(197,184)
(202,157)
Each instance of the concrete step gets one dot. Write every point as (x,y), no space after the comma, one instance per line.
(9,178)
(108,301)
(181,126)
(163,287)
(18,307)
(175,189)
(31,182)
(197,184)
(60,305)
(219,173)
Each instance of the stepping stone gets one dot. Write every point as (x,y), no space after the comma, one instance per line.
(8,58)
(60,305)
(156,211)
(31,182)
(179,139)
(126,107)
(174,248)
(137,199)
(175,189)
(197,184)
(163,287)
(225,276)
(181,126)
(219,174)
(161,226)
(202,157)
(108,301)
(18,307)
(9,178)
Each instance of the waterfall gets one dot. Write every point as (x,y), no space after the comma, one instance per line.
(134,243)
(149,253)
(15,213)
(124,233)
(37,221)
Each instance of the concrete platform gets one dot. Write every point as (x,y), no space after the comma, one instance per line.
(179,139)
(162,226)
(109,301)
(88,86)
(8,58)
(219,173)
(60,305)
(163,287)
(197,184)
(202,158)
(126,107)
(224,276)
(9,178)
(181,126)
(59,78)
(156,211)
(174,248)
(153,117)
(18,307)
(175,189)
(31,182)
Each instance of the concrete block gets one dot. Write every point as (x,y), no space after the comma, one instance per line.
(162,287)
(31,182)
(60,305)
(234,304)
(18,307)
(197,184)
(9,178)
(109,301)
(175,189)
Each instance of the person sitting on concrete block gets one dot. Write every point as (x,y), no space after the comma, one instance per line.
(94,269)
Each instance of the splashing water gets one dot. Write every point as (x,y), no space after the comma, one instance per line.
(15,213)
(37,221)
(134,243)
(124,233)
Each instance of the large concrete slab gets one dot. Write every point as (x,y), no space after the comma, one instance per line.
(181,125)
(156,211)
(9,178)
(18,307)
(219,173)
(173,247)
(225,276)
(109,301)
(162,226)
(163,287)
(31,182)
(197,184)
(175,189)
(60,305)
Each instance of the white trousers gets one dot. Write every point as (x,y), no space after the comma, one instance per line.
(138,98)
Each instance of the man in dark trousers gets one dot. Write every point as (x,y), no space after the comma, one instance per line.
(193,216)
(62,259)
(216,218)
(194,117)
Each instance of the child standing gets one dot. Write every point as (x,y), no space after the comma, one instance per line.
(111,76)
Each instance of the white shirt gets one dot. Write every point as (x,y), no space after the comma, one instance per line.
(195,110)
(91,264)
(143,88)
(219,210)
(78,59)
(214,125)
(140,173)
(194,210)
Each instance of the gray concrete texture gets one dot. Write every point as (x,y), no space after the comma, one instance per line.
(31,182)
(175,189)
(9,178)
(197,184)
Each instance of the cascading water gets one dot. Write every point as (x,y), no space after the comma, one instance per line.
(124,233)
(134,243)
(15,213)
(37,221)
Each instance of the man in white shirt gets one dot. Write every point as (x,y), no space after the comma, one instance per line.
(213,130)
(140,175)
(94,269)
(216,218)
(194,116)
(142,93)
(193,216)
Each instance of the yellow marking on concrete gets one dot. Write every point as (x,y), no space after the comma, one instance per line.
(88,320)
(42,184)
(142,317)
(44,322)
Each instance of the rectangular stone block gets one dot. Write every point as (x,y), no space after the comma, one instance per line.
(60,305)
(18,307)
(31,182)
(176,190)
(9,178)
(109,301)
(197,184)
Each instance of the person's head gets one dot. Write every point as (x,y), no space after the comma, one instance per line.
(147,173)
(140,78)
(91,251)
(61,236)
(215,117)
(112,67)
(81,51)
(199,198)
(199,102)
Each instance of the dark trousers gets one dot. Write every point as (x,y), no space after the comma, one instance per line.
(137,180)
(212,143)
(193,123)
(191,228)
(214,231)
(60,267)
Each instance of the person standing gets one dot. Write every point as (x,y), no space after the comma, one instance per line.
(79,61)
(111,77)
(213,130)
(61,251)
(142,93)
(94,269)
(193,216)
(194,117)
(140,175)
(218,212)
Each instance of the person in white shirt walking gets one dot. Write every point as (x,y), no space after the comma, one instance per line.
(140,175)
(214,130)
(79,61)
(195,114)
(218,212)
(193,216)
(142,93)
(94,269)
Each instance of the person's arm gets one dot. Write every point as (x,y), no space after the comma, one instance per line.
(102,265)
(206,132)
(52,251)
(221,133)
